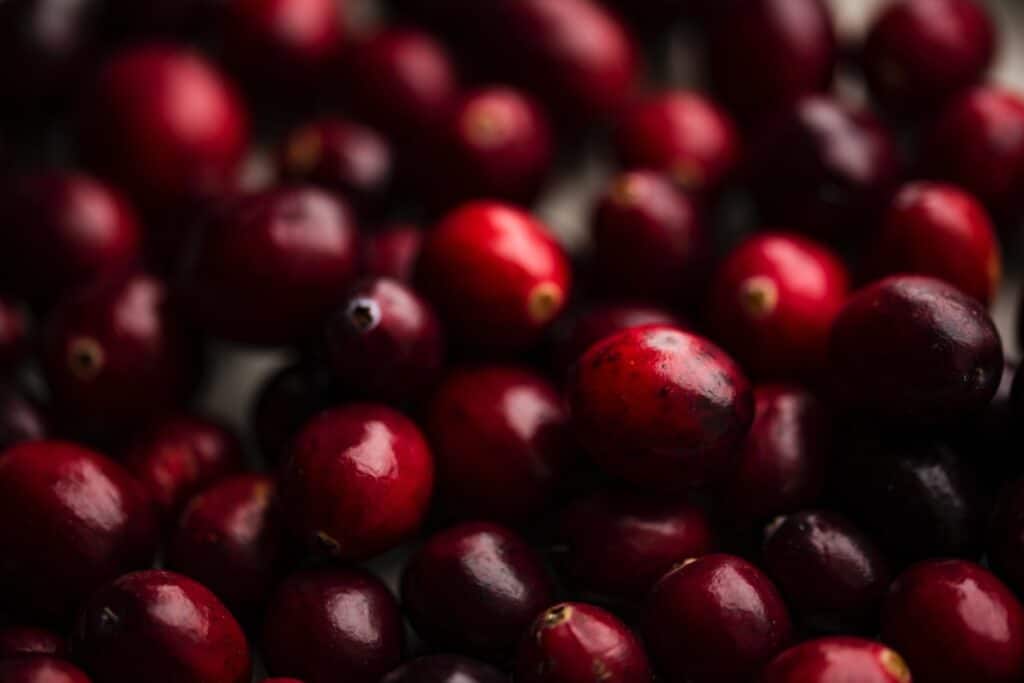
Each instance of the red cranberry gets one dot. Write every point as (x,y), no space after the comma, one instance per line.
(495,274)
(837,659)
(14,335)
(1006,536)
(40,669)
(714,619)
(773,302)
(502,441)
(358,481)
(285,402)
(954,621)
(445,669)
(915,350)
(660,407)
(392,252)
(20,418)
(475,587)
(320,623)
(18,641)
(573,642)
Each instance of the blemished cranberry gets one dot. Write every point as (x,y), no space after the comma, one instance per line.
(357,482)
(495,274)
(954,621)
(773,302)
(659,407)
(445,669)
(1006,536)
(475,587)
(140,127)
(915,350)
(40,669)
(385,342)
(14,334)
(18,641)
(618,543)
(502,441)
(323,622)
(939,230)
(716,619)
(921,52)
(73,520)
(837,659)
(21,419)
(392,252)
(162,627)
(284,403)
(269,268)
(573,642)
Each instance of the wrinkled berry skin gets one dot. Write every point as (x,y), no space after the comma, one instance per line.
(14,334)
(659,407)
(837,659)
(445,669)
(285,402)
(20,418)
(40,669)
(392,252)
(1006,536)
(954,621)
(915,351)
(18,641)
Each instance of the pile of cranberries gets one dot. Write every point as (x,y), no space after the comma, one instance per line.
(754,425)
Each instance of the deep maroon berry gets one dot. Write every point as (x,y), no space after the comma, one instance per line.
(40,669)
(1006,536)
(835,660)
(445,669)
(14,334)
(284,403)
(392,252)
(21,419)
(18,641)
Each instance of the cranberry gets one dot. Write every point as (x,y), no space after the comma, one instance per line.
(269,268)
(320,623)
(40,669)
(285,402)
(445,669)
(18,641)
(660,407)
(475,587)
(716,618)
(392,252)
(385,342)
(954,621)
(20,418)
(915,350)
(495,274)
(837,659)
(1006,537)
(773,302)
(14,335)
(358,481)
(573,642)
(502,440)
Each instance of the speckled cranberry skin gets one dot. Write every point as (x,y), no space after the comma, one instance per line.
(954,621)
(475,587)
(40,669)
(21,419)
(660,408)
(284,403)
(392,252)
(835,660)
(357,482)
(1006,536)
(18,641)
(14,334)
(716,619)
(445,669)
(915,350)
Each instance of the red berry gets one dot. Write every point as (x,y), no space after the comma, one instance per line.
(18,641)
(835,660)
(40,669)
(445,669)
(392,252)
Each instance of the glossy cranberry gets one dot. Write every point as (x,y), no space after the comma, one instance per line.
(618,543)
(773,302)
(574,642)
(18,641)
(270,267)
(476,588)
(445,669)
(358,481)
(72,520)
(320,623)
(502,440)
(495,274)
(954,621)
(40,669)
(392,252)
(21,419)
(660,407)
(916,350)
(835,660)
(284,403)
(716,619)
(385,342)
(14,334)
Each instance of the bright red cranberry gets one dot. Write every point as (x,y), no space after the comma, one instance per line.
(20,418)
(715,619)
(284,403)
(835,660)
(392,252)
(773,302)
(320,623)
(915,350)
(358,481)
(72,520)
(269,268)
(954,621)
(445,669)
(475,587)
(18,641)
(619,543)
(14,334)
(1006,536)
(574,642)
(502,441)
(385,342)
(40,669)
(495,274)
(660,407)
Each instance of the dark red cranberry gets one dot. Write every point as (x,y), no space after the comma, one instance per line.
(40,669)
(660,407)
(358,481)
(475,587)
(954,621)
(285,402)
(14,334)
(320,623)
(502,441)
(495,274)
(1006,536)
(160,627)
(72,520)
(20,418)
(574,642)
(270,267)
(773,302)
(392,252)
(715,619)
(445,669)
(837,659)
(385,342)
(18,641)
(916,350)
(619,543)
